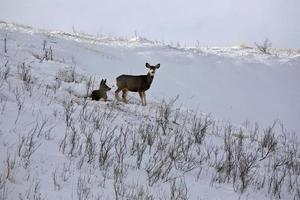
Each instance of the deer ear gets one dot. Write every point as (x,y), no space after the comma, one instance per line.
(157,66)
(147,65)
(104,81)
(101,82)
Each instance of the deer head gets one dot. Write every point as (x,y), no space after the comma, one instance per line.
(152,69)
(103,85)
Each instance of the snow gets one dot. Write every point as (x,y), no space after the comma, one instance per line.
(236,85)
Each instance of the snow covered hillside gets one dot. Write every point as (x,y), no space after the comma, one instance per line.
(196,139)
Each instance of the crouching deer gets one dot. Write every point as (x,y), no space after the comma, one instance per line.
(132,83)
(101,93)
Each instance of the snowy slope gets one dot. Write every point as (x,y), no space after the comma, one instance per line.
(235,84)
(52,138)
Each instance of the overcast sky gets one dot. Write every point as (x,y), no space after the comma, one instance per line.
(210,22)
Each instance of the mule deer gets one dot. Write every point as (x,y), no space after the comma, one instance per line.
(101,93)
(139,84)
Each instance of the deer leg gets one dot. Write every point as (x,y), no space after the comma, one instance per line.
(124,95)
(105,97)
(144,96)
(117,94)
(141,96)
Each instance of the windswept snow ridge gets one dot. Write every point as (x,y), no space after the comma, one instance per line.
(57,144)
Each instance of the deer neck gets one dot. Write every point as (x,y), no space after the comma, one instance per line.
(149,78)
(101,88)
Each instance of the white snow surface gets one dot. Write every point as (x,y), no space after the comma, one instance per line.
(234,85)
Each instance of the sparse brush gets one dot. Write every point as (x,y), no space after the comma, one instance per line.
(3,102)
(158,168)
(3,187)
(20,101)
(138,192)
(73,139)
(6,70)
(69,109)
(178,190)
(44,44)
(164,113)
(5,44)
(89,83)
(10,166)
(83,189)
(33,192)
(57,186)
(90,147)
(199,128)
(25,75)
(47,53)
(28,145)
(142,138)
(268,142)
(264,47)
(106,145)
(69,75)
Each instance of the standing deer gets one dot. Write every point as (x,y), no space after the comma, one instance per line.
(139,84)
(101,93)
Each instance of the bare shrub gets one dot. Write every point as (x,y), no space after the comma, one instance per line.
(28,145)
(69,109)
(225,166)
(3,102)
(57,85)
(63,143)
(264,47)
(246,166)
(66,172)
(6,71)
(106,152)
(105,147)
(158,167)
(24,73)
(20,101)
(268,142)
(3,188)
(50,53)
(238,163)
(120,170)
(183,153)
(88,85)
(199,128)
(44,128)
(164,113)
(47,53)
(119,188)
(44,44)
(69,75)
(10,164)
(56,184)
(141,139)
(90,147)
(137,193)
(5,44)
(276,182)
(83,188)
(178,190)
(73,139)
(33,191)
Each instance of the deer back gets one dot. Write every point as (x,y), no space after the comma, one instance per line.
(134,83)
